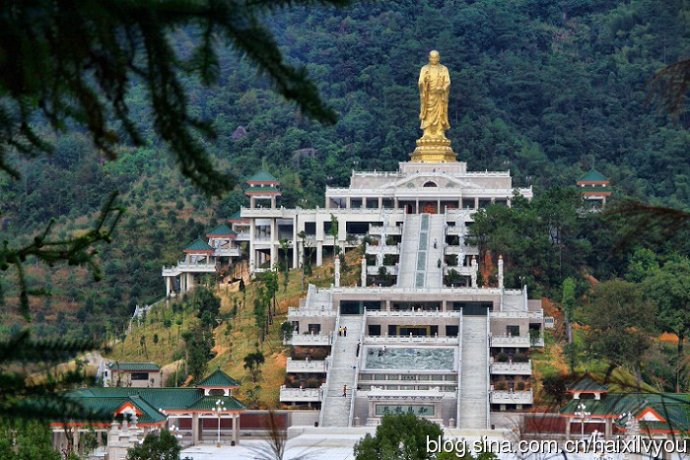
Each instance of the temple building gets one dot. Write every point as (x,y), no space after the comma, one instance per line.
(424,332)
(595,189)
(186,412)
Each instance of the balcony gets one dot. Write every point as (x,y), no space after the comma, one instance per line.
(383,249)
(294,312)
(511,397)
(300,394)
(385,230)
(518,341)
(310,340)
(304,366)
(537,314)
(511,368)
(183,267)
(390,270)
(405,339)
(227,252)
(413,314)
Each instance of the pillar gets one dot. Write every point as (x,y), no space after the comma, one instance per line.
(476,202)
(380,202)
(416,206)
(252,202)
(190,281)
(500,272)
(295,249)
(195,429)
(274,240)
(319,253)
(337,271)
(473,273)
(252,255)
(236,429)
(168,286)
(567,428)
(608,429)
(364,272)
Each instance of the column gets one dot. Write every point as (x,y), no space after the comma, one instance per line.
(273,202)
(252,231)
(168,286)
(319,253)
(476,202)
(416,208)
(348,203)
(190,281)
(195,429)
(337,271)
(274,241)
(388,305)
(236,429)
(567,428)
(380,202)
(438,207)
(500,272)
(608,430)
(364,272)
(295,248)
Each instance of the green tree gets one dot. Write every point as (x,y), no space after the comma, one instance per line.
(669,288)
(620,322)
(207,306)
(252,363)
(156,446)
(26,440)
(198,345)
(398,437)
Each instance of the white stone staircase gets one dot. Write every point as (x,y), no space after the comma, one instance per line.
(407,270)
(336,408)
(437,233)
(474,386)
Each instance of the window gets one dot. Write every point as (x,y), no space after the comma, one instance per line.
(512,331)
(430,184)
(140,375)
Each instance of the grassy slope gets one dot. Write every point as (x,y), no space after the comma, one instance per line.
(235,337)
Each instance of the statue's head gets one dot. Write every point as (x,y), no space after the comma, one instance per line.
(434,57)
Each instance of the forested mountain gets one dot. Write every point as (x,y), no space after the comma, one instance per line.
(544,88)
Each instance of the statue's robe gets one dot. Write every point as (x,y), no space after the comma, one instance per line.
(434,87)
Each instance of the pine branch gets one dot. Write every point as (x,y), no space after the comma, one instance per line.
(79,250)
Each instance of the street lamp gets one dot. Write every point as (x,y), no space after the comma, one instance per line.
(218,410)
(583,415)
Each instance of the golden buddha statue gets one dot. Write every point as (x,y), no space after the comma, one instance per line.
(434,88)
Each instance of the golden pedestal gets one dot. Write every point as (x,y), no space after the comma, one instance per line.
(433,150)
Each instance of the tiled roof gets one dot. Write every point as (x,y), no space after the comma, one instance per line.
(672,407)
(150,400)
(222,230)
(587,384)
(198,245)
(209,402)
(219,379)
(237,216)
(134,367)
(262,176)
(593,176)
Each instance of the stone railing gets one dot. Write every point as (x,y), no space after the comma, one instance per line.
(383,249)
(387,230)
(390,270)
(307,312)
(189,267)
(300,394)
(415,313)
(227,252)
(511,397)
(510,341)
(517,314)
(403,339)
(309,339)
(511,368)
(299,366)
